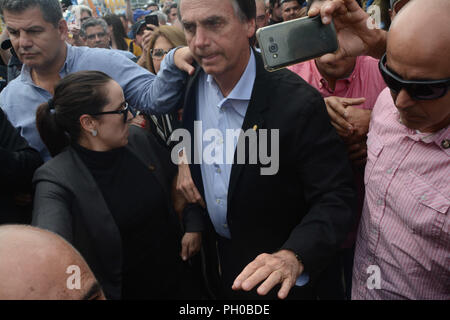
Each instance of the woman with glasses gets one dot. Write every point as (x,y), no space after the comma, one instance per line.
(163,39)
(108,192)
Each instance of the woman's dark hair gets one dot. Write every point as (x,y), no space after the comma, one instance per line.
(118,32)
(58,120)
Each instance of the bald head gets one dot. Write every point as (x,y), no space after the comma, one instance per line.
(422,25)
(418,48)
(38,264)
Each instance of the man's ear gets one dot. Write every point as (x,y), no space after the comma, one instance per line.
(87,123)
(63,29)
(251,28)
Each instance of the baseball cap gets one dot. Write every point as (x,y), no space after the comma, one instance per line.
(136,27)
(140,13)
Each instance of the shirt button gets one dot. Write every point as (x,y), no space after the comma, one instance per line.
(380,202)
(218,170)
(446,144)
(218,201)
(389,171)
(423,197)
(225,226)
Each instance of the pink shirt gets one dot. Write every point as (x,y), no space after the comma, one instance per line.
(405,225)
(365,80)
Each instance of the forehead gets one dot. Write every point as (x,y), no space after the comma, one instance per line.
(290,4)
(198,10)
(25,19)
(93,29)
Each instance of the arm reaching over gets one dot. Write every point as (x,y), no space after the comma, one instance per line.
(356,34)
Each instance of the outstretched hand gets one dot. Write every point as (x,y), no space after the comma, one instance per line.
(271,269)
(356,32)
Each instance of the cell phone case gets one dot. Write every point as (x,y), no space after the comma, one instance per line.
(295,41)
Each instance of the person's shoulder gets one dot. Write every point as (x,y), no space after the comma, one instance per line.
(55,169)
(286,85)
(14,87)
(96,55)
(384,105)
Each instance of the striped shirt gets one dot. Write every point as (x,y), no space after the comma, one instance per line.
(403,242)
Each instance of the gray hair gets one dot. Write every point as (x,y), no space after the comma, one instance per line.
(84,8)
(93,22)
(162,18)
(50,9)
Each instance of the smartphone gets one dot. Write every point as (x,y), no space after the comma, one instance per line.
(152,19)
(295,41)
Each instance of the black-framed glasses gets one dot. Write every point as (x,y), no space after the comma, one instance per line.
(124,111)
(417,89)
(158,54)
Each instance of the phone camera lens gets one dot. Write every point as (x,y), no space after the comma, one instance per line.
(273,48)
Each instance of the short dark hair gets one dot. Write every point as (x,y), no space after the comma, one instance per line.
(50,9)
(244,9)
(58,121)
(300,2)
(93,22)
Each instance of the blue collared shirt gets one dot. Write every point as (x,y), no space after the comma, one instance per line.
(217,114)
(142,89)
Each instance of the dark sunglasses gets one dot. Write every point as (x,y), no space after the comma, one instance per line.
(417,89)
(124,111)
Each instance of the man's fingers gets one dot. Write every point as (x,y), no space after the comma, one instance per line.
(338,119)
(285,288)
(259,275)
(353,101)
(246,273)
(274,278)
(184,250)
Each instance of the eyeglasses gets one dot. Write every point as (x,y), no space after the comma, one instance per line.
(417,89)
(95,35)
(124,110)
(158,54)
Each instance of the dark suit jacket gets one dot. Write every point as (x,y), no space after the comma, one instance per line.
(18,162)
(68,202)
(307,206)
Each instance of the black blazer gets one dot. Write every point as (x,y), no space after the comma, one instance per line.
(307,206)
(18,162)
(68,202)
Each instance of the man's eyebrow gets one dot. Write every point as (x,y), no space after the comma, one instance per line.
(93,291)
(32,28)
(205,20)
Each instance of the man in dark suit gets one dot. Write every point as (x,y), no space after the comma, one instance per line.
(278,227)
(18,162)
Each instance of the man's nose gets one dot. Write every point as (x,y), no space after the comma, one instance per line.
(25,40)
(403,100)
(201,37)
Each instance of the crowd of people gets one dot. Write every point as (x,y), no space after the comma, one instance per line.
(92,174)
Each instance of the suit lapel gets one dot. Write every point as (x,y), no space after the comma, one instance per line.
(96,214)
(253,117)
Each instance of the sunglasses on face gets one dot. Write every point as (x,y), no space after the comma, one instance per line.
(417,89)
(158,54)
(125,107)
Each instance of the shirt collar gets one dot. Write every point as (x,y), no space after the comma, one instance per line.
(324,83)
(440,138)
(243,89)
